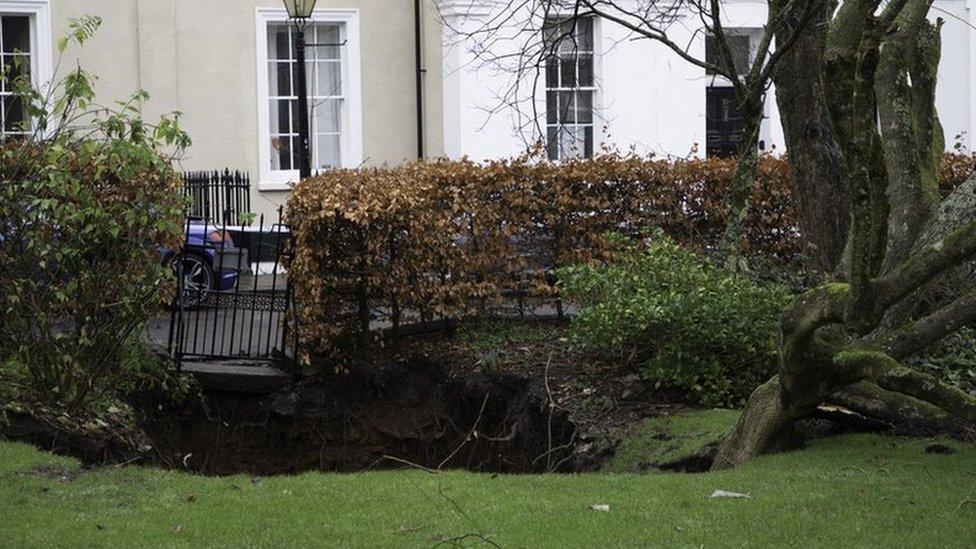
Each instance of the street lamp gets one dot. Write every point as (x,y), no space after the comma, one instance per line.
(299,12)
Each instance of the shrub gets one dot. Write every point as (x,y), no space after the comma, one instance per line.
(87,197)
(441,238)
(953,360)
(693,326)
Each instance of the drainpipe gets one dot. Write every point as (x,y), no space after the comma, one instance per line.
(418,60)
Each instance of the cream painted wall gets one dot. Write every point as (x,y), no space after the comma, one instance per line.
(198,57)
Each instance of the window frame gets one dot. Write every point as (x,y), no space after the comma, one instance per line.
(593,89)
(41,42)
(351,124)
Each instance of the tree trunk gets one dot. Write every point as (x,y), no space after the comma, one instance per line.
(759,429)
(744,178)
(815,157)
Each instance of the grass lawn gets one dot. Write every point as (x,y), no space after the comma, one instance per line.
(859,490)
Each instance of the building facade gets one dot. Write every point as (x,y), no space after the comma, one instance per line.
(229,68)
(630,93)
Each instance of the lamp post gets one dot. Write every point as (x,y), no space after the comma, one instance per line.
(299,13)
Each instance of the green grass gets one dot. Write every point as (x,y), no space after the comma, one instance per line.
(848,491)
(669,439)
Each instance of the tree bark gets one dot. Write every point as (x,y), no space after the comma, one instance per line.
(815,157)
(906,415)
(744,178)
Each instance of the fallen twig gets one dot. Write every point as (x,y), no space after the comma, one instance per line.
(457,539)
(410,463)
(471,432)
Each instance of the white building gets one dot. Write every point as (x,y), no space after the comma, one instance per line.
(642,94)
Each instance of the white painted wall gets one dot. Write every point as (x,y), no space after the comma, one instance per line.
(649,98)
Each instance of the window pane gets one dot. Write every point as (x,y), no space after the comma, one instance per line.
(279,79)
(550,32)
(279,42)
(280,123)
(739,44)
(326,116)
(327,34)
(588,141)
(568,68)
(281,153)
(568,41)
(327,151)
(566,108)
(711,54)
(586,70)
(328,79)
(571,143)
(552,72)
(13,66)
(584,107)
(584,33)
(552,142)
(13,114)
(552,112)
(16,33)
(294,115)
(741,51)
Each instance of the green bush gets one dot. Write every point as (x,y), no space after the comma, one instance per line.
(87,198)
(953,360)
(693,326)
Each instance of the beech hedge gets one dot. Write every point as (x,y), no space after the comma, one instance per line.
(383,246)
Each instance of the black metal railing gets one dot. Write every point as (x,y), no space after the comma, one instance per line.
(221,196)
(233,302)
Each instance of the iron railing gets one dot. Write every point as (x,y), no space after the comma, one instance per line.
(231,303)
(220,196)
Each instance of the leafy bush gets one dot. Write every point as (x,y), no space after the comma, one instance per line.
(953,360)
(693,326)
(87,197)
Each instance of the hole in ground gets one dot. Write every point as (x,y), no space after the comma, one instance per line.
(374,419)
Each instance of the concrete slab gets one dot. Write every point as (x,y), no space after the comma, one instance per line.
(238,376)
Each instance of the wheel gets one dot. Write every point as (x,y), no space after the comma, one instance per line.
(197,278)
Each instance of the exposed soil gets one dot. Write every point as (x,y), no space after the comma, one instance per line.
(513,398)
(408,414)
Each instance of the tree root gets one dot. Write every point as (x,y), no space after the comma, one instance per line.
(760,428)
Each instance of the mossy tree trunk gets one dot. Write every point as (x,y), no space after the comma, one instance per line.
(815,156)
(841,342)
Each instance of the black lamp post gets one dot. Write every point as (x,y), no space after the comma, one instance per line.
(300,12)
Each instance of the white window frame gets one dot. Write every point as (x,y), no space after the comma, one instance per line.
(42,41)
(596,89)
(351,118)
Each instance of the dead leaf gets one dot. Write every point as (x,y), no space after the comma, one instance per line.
(724,494)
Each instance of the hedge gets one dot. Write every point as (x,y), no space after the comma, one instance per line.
(441,239)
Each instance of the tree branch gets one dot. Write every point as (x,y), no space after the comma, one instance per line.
(926,331)
(929,262)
